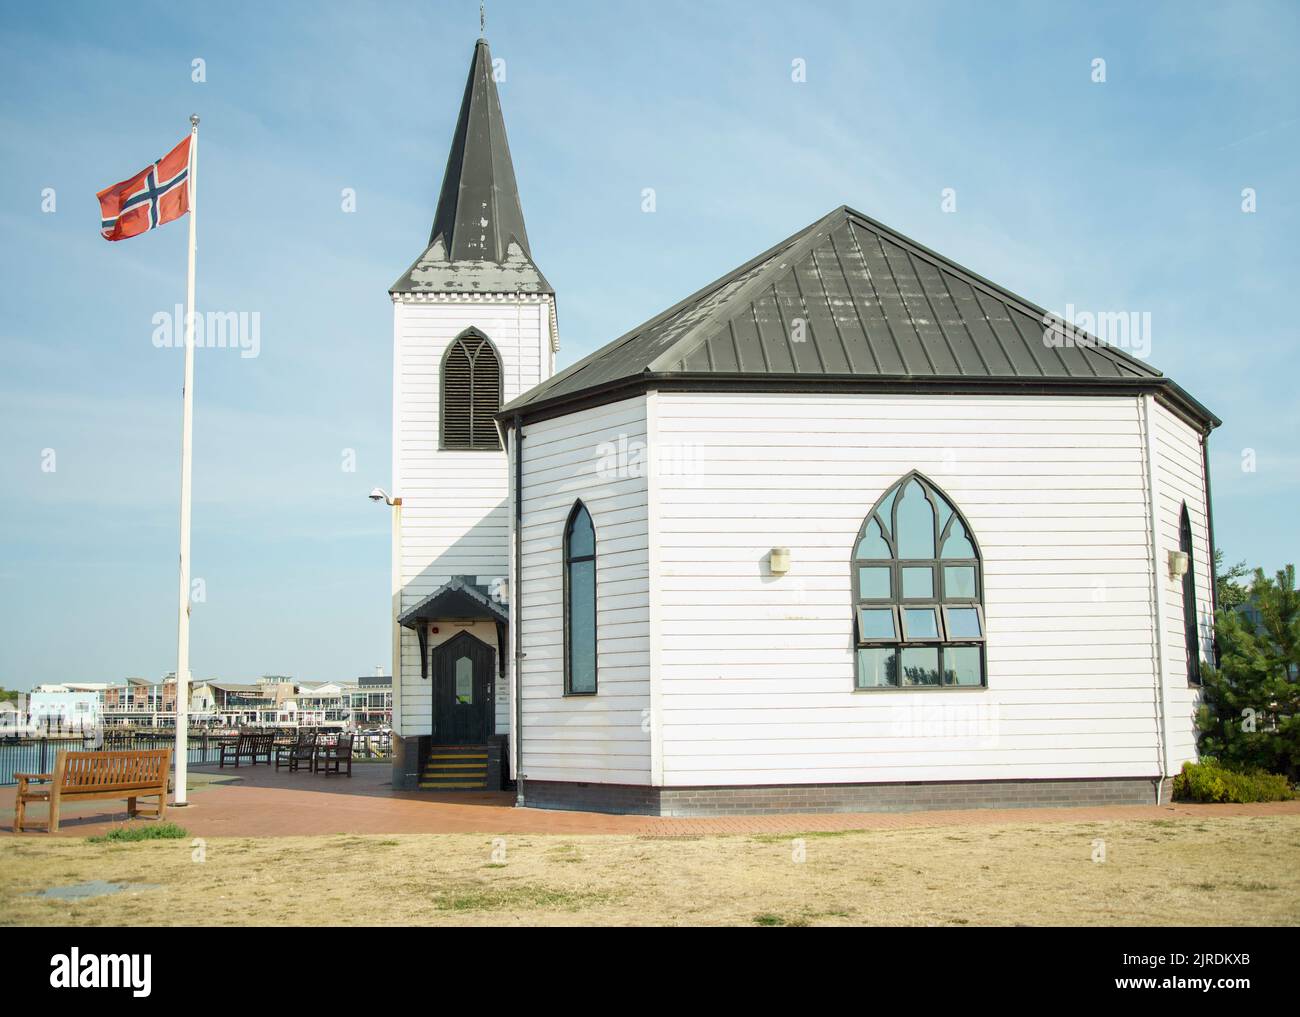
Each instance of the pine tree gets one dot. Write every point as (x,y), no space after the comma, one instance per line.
(1228,593)
(1251,717)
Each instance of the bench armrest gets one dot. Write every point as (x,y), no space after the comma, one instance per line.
(33,776)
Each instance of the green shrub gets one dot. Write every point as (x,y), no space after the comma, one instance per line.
(1250,714)
(154,831)
(1208,781)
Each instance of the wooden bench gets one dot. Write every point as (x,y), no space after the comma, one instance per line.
(252,746)
(84,775)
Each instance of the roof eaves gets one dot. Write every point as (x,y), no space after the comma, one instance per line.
(498,273)
(628,387)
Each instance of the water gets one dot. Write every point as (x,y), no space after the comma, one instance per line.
(95,888)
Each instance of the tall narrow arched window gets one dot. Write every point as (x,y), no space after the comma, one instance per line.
(1191,631)
(471,393)
(918,589)
(579,603)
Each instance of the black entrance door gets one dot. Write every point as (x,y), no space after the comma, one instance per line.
(462,691)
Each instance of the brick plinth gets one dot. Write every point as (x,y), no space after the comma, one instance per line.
(792,798)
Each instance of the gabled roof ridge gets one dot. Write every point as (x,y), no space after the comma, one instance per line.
(685,302)
(998,292)
(796,246)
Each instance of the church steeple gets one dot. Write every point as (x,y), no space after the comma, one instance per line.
(478,241)
(478,210)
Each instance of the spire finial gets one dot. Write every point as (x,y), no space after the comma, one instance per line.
(482,18)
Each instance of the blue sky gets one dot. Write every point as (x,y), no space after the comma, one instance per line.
(1122,195)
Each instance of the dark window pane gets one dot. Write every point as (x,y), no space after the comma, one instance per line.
(1191,628)
(582,626)
(464,680)
(877,666)
(920,623)
(964,623)
(582,538)
(959,581)
(873,582)
(921,665)
(915,537)
(918,581)
(876,623)
(961,665)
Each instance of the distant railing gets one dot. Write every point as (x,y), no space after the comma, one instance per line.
(32,755)
(26,753)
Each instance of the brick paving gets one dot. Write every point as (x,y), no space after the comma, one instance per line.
(264,803)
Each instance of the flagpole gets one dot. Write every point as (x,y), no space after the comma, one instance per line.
(187,431)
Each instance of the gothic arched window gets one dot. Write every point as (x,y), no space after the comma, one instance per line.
(471,393)
(1191,631)
(918,589)
(579,603)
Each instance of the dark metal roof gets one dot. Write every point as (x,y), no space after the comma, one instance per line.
(478,242)
(874,306)
(459,597)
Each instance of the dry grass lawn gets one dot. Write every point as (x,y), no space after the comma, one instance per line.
(1229,871)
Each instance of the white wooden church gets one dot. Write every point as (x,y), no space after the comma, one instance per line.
(848,528)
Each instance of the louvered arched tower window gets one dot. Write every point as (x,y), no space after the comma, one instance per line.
(918,591)
(471,393)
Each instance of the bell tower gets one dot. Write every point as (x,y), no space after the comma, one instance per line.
(474,327)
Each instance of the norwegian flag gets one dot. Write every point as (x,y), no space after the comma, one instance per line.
(152,197)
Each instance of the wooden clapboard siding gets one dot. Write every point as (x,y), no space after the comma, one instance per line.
(1181,469)
(755,673)
(455,519)
(586,738)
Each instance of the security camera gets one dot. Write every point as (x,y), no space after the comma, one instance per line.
(378,494)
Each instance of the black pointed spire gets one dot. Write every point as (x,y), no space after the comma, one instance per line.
(478,210)
(479,217)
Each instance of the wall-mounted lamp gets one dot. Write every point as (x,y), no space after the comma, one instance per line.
(1178,564)
(778,561)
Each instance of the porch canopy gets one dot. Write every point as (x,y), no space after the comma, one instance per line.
(458,599)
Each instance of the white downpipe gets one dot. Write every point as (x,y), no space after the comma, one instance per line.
(1157,581)
(399,318)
